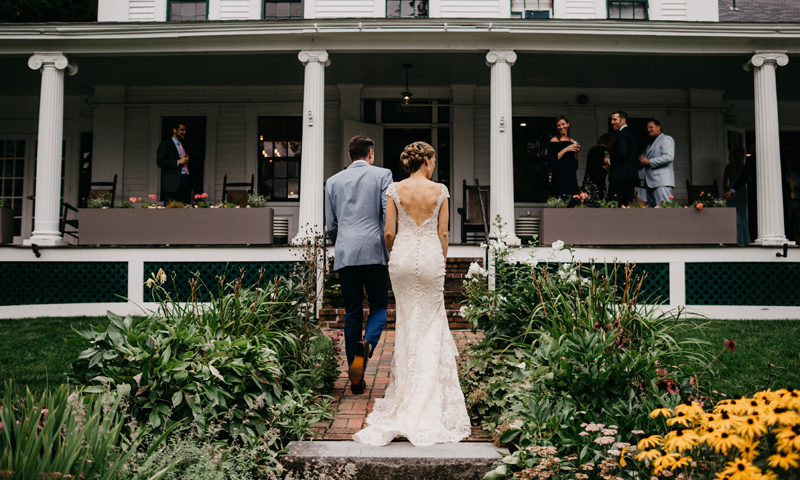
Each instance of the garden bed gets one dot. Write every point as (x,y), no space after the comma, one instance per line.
(176,226)
(637,226)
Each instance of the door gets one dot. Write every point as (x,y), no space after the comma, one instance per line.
(395,141)
(734,137)
(350,129)
(16,175)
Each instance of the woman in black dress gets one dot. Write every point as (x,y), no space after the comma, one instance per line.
(563,159)
(595,173)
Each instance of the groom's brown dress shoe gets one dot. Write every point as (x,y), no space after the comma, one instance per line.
(359,365)
(358,388)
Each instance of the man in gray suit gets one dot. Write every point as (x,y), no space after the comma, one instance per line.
(657,160)
(355,209)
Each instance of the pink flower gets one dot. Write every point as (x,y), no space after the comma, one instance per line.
(338,348)
(195,206)
(132,199)
(576,196)
(699,206)
(671,197)
(197,196)
(140,199)
(339,332)
(152,197)
(204,195)
(730,345)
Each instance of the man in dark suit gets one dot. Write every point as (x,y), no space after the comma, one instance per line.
(623,171)
(173,161)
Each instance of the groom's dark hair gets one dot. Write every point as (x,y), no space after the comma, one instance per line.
(359,147)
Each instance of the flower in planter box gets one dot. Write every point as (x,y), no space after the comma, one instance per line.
(699,206)
(558,245)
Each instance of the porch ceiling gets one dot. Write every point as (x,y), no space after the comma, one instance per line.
(585,71)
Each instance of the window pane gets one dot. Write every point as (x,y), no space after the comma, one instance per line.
(422,8)
(269,10)
(279,149)
(8,171)
(188,9)
(283,10)
(297,10)
(280,170)
(294,170)
(19,168)
(407,8)
(294,149)
(175,10)
(393,8)
(201,10)
(294,189)
(280,189)
(7,188)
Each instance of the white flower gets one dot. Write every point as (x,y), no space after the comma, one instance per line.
(585,281)
(475,271)
(484,246)
(572,278)
(516,425)
(499,247)
(530,261)
(521,366)
(558,245)
(463,311)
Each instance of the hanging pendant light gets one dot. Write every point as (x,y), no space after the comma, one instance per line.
(406,93)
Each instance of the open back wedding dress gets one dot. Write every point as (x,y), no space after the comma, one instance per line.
(424,401)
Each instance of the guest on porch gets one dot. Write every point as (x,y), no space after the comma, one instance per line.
(563,159)
(173,161)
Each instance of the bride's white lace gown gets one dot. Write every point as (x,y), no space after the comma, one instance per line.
(423,402)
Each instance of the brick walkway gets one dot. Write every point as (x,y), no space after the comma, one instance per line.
(351,410)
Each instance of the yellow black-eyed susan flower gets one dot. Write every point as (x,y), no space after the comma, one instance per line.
(725,441)
(680,418)
(664,462)
(648,454)
(680,440)
(751,427)
(665,412)
(782,416)
(681,462)
(650,442)
(725,421)
(689,408)
(749,450)
(741,470)
(784,460)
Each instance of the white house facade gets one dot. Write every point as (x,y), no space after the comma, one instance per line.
(272,90)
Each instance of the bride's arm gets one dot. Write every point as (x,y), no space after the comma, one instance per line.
(391,223)
(444,220)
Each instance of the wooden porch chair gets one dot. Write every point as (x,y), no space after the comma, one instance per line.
(111,190)
(472,228)
(64,222)
(702,192)
(239,197)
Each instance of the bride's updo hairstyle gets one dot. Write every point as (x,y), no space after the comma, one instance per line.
(415,154)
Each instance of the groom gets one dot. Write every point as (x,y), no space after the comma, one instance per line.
(355,211)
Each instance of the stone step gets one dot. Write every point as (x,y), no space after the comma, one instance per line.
(398,460)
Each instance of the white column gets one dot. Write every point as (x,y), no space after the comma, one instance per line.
(312,167)
(501,201)
(48,157)
(768,148)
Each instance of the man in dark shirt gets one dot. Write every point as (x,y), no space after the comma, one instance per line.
(623,173)
(173,161)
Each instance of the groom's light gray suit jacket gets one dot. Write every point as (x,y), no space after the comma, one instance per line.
(355,214)
(661,153)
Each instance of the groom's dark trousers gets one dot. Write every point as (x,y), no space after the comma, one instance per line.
(355,279)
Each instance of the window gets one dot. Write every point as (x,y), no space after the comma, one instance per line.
(406,8)
(279,157)
(393,111)
(285,9)
(187,10)
(12,178)
(531,172)
(627,9)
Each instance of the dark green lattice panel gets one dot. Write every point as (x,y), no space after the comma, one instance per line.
(47,283)
(209,273)
(655,287)
(743,283)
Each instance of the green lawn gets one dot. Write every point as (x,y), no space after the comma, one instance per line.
(35,353)
(758,342)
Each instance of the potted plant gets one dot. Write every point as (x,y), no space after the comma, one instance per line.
(6,221)
(667,224)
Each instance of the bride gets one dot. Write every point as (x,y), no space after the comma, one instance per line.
(423,402)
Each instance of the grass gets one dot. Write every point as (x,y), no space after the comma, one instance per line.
(758,342)
(35,353)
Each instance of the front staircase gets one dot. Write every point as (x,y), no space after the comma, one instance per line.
(332,313)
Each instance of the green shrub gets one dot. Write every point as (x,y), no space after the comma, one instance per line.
(252,359)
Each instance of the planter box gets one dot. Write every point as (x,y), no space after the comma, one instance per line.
(637,226)
(175,226)
(6,225)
